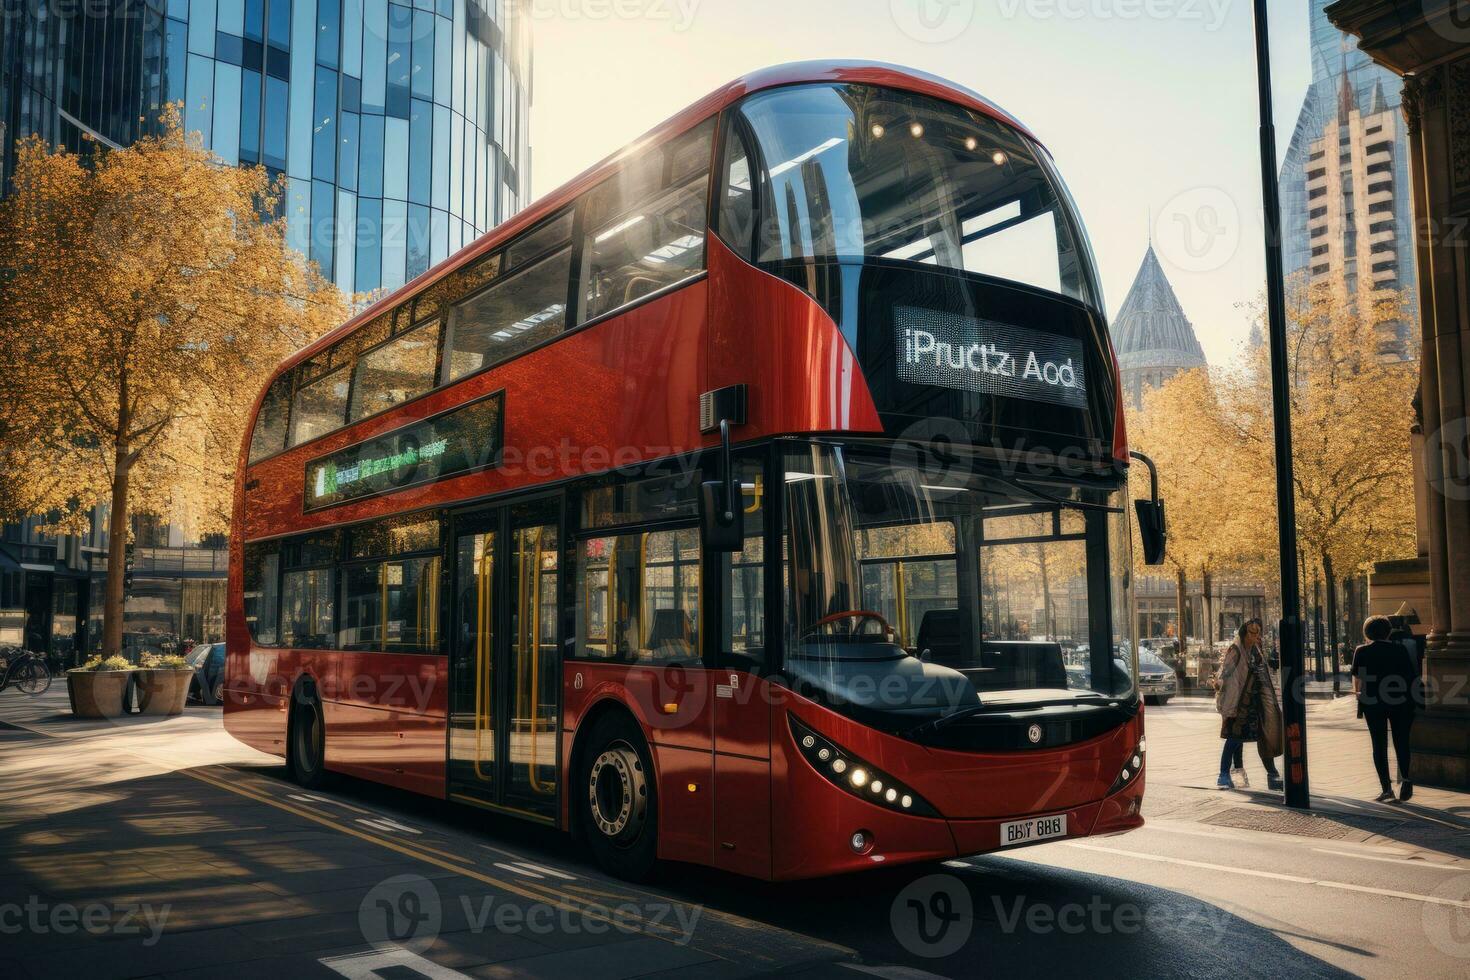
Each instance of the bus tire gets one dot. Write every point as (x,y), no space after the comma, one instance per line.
(619,802)
(307,739)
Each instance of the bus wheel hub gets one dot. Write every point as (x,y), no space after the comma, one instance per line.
(618,792)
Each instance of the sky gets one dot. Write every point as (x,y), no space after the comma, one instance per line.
(1148,106)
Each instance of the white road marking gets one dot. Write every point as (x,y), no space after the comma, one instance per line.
(391,826)
(1411,862)
(546,871)
(519,870)
(365,966)
(1274,875)
(894,972)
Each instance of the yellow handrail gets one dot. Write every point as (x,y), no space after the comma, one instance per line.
(484,598)
(532,776)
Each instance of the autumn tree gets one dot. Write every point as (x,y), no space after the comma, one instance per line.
(146,292)
(1214,491)
(1351,411)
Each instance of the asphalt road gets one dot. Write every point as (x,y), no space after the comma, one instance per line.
(198,857)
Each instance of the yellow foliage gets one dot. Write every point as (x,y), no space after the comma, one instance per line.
(145,294)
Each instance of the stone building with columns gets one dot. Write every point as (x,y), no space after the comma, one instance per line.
(1428,43)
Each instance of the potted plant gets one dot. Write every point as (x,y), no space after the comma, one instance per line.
(162,683)
(98,688)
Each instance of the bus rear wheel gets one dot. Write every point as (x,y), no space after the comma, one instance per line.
(307,744)
(619,804)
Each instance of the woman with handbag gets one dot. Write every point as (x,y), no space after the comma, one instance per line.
(1245,697)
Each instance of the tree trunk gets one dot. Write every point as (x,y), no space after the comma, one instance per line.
(1181,597)
(1329,576)
(1207,606)
(117,530)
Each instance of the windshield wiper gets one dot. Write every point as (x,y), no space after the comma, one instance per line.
(943,721)
(1046,498)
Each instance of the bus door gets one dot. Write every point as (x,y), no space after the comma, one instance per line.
(505,663)
(741,695)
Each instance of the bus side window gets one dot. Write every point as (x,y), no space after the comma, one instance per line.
(743,611)
(262,594)
(638,597)
(736,220)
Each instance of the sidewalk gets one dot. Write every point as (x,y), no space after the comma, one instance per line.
(1183,759)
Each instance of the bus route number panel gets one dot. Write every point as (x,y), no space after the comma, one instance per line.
(966,353)
(461,440)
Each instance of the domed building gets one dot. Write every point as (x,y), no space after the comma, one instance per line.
(1153,337)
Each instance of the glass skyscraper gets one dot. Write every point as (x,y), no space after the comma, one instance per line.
(400,129)
(1345,205)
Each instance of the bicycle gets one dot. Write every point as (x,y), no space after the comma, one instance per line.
(25,671)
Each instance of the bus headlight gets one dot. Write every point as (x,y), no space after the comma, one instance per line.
(1132,767)
(841,768)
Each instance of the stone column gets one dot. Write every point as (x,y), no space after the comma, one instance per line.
(1421,40)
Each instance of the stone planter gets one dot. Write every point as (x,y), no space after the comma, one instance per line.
(162,692)
(98,693)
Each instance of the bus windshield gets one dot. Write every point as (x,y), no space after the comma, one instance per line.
(854,172)
(913,594)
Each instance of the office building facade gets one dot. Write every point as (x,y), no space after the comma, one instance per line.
(399,128)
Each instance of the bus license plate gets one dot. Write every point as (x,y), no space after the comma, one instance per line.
(1033,830)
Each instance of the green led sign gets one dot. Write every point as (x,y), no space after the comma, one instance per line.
(458,441)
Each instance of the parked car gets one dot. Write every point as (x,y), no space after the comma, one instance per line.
(208,663)
(1156,680)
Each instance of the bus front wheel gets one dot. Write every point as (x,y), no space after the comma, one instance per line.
(308,740)
(620,806)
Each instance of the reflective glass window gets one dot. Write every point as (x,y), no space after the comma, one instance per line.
(375,56)
(371,157)
(328,32)
(395,372)
(369,240)
(639,597)
(198,103)
(275,133)
(227,112)
(400,59)
(324,127)
(420,151)
(510,316)
(321,406)
(418,241)
(250,85)
(269,434)
(646,226)
(422,72)
(261,591)
(395,159)
(347,150)
(306,609)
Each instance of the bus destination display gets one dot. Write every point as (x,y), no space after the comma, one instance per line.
(969,354)
(464,439)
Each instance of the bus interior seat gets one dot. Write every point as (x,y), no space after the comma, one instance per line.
(670,635)
(940,636)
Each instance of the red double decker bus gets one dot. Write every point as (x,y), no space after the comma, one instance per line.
(756,500)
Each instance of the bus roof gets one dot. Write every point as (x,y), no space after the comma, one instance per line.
(861,72)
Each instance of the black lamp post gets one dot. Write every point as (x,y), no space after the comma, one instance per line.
(1293,684)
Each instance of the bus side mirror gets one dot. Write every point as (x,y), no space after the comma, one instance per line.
(721,522)
(1152,528)
(721,510)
